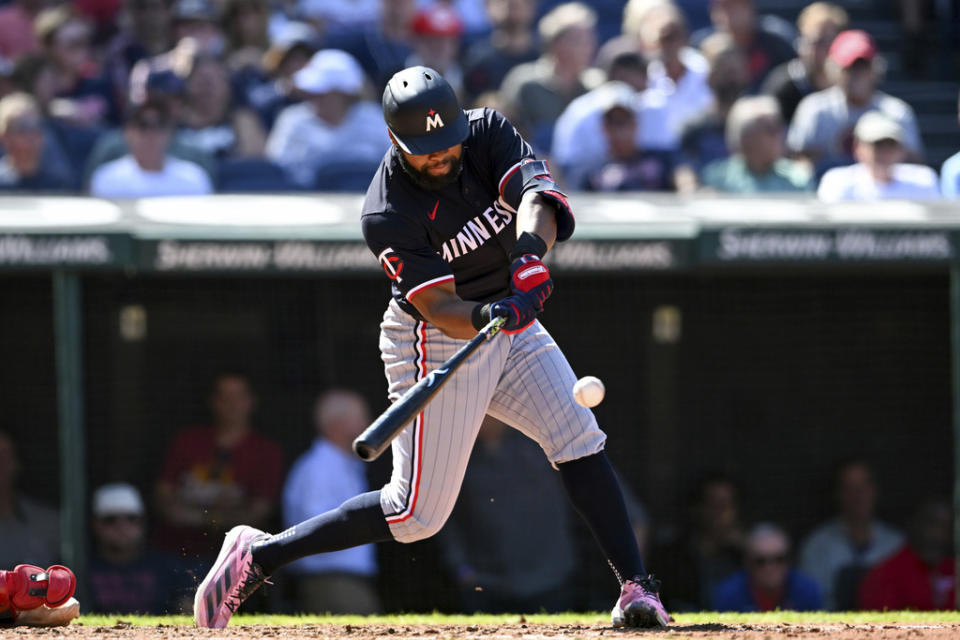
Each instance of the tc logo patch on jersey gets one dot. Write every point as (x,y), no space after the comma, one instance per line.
(392,264)
(433,120)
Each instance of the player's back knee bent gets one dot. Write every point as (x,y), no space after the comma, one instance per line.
(414,530)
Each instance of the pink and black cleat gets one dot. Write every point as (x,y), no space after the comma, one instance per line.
(231,580)
(639,605)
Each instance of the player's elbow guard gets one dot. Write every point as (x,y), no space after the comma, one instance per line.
(534,176)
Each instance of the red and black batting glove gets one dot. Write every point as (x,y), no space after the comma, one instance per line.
(528,274)
(520,310)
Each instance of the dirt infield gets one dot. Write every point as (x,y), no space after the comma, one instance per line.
(519,631)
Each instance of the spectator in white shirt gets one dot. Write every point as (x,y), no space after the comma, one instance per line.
(148,170)
(321,479)
(880,173)
(579,143)
(838,553)
(677,73)
(333,125)
(822,125)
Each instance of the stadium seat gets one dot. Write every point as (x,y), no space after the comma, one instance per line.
(347,176)
(252,175)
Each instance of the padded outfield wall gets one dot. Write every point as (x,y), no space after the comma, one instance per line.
(768,339)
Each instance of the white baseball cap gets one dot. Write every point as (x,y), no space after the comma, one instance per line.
(330,70)
(873,126)
(118,498)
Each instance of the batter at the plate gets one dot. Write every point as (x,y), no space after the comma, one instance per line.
(459,215)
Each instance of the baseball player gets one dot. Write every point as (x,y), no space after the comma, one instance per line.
(459,215)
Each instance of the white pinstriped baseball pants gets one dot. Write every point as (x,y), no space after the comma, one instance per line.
(522,379)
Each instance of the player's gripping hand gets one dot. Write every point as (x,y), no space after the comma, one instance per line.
(520,310)
(528,274)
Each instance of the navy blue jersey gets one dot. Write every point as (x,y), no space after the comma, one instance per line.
(461,233)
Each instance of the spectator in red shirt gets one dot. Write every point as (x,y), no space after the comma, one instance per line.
(220,475)
(921,574)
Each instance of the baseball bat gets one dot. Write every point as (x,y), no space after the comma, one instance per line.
(377,437)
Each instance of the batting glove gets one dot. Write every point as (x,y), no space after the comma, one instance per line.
(520,310)
(529,275)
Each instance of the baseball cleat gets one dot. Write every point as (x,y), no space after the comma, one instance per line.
(231,580)
(639,605)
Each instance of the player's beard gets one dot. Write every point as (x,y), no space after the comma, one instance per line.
(429,181)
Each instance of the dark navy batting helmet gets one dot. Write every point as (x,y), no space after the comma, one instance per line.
(422,111)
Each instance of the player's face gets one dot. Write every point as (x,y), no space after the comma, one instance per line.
(434,170)
(437,164)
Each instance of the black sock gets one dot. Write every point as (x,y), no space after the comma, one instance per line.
(357,521)
(595,493)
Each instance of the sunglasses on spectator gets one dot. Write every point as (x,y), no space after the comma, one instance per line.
(116,518)
(760,561)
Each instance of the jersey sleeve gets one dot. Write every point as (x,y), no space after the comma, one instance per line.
(509,152)
(507,149)
(404,252)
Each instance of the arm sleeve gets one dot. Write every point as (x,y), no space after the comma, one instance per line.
(404,252)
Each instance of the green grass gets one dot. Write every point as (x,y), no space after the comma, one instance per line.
(854,617)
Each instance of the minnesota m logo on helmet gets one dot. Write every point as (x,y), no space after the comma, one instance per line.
(433,120)
(422,112)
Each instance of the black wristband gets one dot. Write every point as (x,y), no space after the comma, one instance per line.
(481,315)
(528,243)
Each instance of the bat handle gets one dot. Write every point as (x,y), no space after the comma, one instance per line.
(493,327)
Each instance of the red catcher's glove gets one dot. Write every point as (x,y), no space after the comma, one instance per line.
(528,274)
(28,587)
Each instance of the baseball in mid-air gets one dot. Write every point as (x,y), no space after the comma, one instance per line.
(588,391)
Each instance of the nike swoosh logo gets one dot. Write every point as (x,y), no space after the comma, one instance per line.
(433,214)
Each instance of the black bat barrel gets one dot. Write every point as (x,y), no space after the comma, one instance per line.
(377,437)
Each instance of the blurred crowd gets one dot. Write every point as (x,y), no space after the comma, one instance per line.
(131,98)
(509,546)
